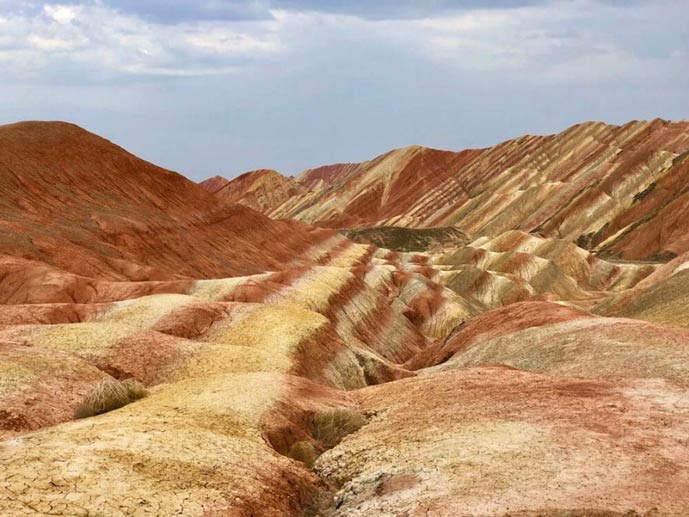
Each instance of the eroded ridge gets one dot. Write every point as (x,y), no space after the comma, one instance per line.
(238,370)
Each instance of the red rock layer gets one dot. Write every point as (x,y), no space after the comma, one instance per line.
(605,186)
(327,175)
(656,222)
(72,200)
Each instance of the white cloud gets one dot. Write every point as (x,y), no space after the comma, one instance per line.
(473,21)
(576,41)
(221,41)
(99,38)
(63,14)
(49,44)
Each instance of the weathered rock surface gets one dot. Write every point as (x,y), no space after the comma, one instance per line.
(292,371)
(261,189)
(499,441)
(517,266)
(613,188)
(209,353)
(74,201)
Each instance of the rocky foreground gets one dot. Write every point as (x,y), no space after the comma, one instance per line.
(293,371)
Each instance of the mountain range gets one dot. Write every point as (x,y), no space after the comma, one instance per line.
(618,190)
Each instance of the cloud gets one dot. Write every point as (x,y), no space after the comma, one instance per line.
(166,11)
(110,42)
(396,9)
(62,14)
(578,40)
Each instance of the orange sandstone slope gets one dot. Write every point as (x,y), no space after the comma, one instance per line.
(214,184)
(327,175)
(261,189)
(74,201)
(607,187)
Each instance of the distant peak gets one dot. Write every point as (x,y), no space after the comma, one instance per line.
(259,173)
(214,184)
(214,179)
(54,124)
(412,150)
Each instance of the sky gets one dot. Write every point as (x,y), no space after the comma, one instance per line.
(208,87)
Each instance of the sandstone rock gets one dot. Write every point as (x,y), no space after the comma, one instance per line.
(606,187)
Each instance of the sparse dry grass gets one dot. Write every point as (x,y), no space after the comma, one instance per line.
(305,452)
(331,426)
(13,376)
(110,394)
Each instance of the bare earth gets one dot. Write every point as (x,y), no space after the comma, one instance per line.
(532,359)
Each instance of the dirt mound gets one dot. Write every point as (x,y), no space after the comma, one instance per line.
(516,266)
(666,301)
(497,441)
(547,338)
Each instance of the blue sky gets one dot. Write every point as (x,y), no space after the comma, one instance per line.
(220,87)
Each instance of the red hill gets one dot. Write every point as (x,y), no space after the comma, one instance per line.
(73,200)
